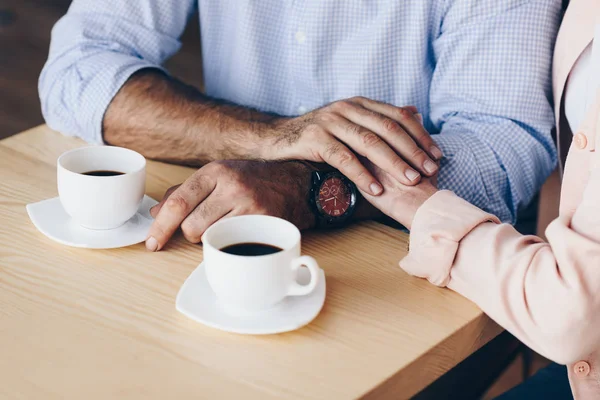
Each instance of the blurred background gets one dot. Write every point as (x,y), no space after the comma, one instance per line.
(25,27)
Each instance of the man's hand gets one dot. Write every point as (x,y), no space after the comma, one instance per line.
(399,201)
(226,188)
(166,120)
(391,137)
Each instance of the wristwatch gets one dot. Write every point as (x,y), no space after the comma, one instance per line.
(332,198)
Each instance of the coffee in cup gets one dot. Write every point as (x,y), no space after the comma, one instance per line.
(103,172)
(251,249)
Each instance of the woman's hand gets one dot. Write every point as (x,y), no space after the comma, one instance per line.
(399,201)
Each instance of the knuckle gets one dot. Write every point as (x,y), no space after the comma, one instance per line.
(390,125)
(199,182)
(424,139)
(417,154)
(325,117)
(344,158)
(369,139)
(315,132)
(215,167)
(191,230)
(362,175)
(336,154)
(420,136)
(342,106)
(398,163)
(177,204)
(402,114)
(187,225)
(353,129)
(192,238)
(331,150)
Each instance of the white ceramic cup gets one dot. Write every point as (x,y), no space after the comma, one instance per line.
(253,283)
(101,202)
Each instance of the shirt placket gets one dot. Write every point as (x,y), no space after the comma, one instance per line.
(299,43)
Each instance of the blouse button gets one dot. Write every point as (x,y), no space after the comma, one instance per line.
(580,140)
(581,369)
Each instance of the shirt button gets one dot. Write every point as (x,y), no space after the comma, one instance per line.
(581,369)
(302,110)
(300,37)
(580,140)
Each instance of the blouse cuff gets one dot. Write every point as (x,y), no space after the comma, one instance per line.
(438,227)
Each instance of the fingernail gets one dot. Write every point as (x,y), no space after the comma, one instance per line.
(151,244)
(376,188)
(152,209)
(419,118)
(412,175)
(436,152)
(430,166)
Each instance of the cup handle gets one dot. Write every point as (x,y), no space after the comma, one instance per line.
(300,290)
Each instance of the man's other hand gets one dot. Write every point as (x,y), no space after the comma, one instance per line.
(224,189)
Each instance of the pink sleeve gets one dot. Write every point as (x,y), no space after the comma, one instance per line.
(546,294)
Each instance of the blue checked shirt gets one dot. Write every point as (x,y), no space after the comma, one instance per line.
(478,71)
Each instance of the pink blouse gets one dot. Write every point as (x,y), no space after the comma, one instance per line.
(547,294)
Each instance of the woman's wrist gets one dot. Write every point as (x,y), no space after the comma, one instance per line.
(405,214)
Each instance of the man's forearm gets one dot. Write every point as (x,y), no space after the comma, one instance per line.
(164,119)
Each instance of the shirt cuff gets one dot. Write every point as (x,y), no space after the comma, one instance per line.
(109,81)
(438,227)
(470,169)
(89,89)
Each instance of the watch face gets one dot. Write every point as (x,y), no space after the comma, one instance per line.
(335,197)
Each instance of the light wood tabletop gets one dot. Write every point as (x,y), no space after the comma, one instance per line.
(101,324)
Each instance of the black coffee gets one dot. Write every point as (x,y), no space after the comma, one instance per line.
(103,172)
(251,249)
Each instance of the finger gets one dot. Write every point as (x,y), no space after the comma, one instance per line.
(391,131)
(207,213)
(340,157)
(411,123)
(374,148)
(176,208)
(155,209)
(412,109)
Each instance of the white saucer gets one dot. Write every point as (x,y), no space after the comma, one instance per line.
(50,218)
(197,301)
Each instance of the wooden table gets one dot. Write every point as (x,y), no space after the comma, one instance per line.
(102,324)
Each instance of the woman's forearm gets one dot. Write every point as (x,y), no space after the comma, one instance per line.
(543,293)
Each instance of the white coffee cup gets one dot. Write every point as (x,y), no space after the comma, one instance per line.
(252,283)
(101,202)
